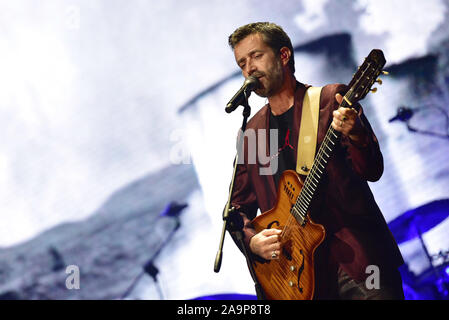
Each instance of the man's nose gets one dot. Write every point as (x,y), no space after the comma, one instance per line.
(250,68)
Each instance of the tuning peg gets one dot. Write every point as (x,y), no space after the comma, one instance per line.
(385,73)
(379,81)
(373,90)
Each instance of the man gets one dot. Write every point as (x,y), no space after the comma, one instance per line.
(357,235)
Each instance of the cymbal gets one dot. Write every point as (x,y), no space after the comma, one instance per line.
(421,219)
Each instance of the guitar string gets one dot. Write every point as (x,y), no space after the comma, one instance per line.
(302,199)
(291,217)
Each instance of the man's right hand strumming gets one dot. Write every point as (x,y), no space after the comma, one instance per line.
(266,244)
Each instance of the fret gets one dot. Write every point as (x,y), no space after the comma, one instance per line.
(299,213)
(316,180)
(309,177)
(313,184)
(295,212)
(319,155)
(306,191)
(306,187)
(304,209)
(309,187)
(298,217)
(303,204)
(304,199)
(313,174)
(306,195)
(307,198)
(313,179)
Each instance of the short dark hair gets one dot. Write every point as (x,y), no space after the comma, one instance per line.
(272,34)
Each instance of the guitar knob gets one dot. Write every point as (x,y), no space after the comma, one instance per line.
(379,81)
(373,90)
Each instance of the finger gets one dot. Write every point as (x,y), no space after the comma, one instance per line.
(275,246)
(348,113)
(337,124)
(272,239)
(339,98)
(338,118)
(269,232)
(337,114)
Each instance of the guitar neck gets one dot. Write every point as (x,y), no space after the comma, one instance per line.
(317,171)
(360,85)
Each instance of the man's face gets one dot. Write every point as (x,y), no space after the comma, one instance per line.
(255,58)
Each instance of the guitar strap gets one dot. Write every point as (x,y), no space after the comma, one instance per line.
(308,130)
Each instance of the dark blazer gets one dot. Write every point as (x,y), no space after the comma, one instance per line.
(356,232)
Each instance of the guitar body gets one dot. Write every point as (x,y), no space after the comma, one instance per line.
(292,276)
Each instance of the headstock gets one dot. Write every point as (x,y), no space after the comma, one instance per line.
(365,77)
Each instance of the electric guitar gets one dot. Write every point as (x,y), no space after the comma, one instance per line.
(292,276)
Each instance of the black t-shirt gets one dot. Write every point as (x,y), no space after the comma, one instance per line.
(285,155)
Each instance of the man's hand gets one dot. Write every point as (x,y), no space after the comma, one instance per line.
(347,121)
(266,244)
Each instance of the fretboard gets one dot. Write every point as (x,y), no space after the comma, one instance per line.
(300,208)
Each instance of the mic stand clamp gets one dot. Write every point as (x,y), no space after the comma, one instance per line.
(230,211)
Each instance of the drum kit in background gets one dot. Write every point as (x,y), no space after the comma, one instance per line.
(432,283)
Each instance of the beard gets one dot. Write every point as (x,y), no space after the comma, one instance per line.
(272,80)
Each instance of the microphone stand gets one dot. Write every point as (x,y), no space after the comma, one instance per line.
(231,224)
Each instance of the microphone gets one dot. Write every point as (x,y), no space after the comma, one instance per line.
(403,114)
(251,83)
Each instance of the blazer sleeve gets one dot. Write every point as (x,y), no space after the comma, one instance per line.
(243,199)
(364,156)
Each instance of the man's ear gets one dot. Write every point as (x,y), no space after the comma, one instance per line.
(285,54)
